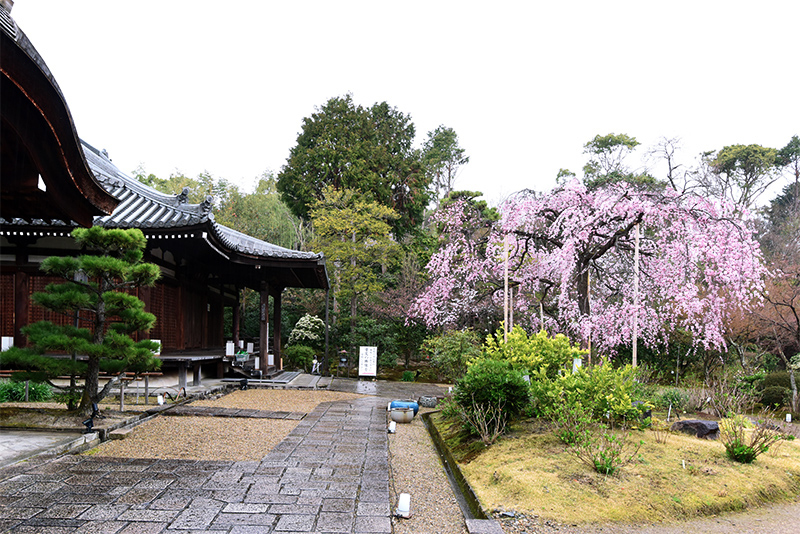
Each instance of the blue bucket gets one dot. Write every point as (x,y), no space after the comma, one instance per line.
(414,405)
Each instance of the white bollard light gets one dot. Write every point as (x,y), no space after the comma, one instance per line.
(788,418)
(403,506)
(392,427)
(160,400)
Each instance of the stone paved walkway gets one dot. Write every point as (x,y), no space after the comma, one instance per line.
(330,475)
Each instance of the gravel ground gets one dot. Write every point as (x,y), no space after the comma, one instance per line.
(417,470)
(194,438)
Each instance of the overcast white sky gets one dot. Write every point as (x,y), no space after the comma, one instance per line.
(223,86)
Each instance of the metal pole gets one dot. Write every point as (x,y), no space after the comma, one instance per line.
(511,308)
(635,329)
(541,314)
(589,302)
(505,291)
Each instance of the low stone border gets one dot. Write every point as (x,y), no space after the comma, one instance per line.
(213,411)
(480,523)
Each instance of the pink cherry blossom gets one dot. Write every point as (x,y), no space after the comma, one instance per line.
(572,249)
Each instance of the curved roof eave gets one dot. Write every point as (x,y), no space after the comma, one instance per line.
(143,207)
(37,113)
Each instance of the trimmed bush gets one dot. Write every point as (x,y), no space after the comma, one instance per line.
(492,384)
(775,396)
(300,356)
(780,378)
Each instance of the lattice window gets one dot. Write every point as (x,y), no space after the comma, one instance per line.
(157,309)
(170,314)
(7,304)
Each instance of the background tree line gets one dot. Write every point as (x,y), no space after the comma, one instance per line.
(359,187)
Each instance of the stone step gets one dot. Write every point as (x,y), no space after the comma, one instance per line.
(120,433)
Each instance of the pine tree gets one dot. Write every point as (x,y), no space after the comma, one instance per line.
(95,291)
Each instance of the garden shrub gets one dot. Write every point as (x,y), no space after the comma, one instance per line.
(729,396)
(678,398)
(534,353)
(492,385)
(15,391)
(309,331)
(775,396)
(754,381)
(408,376)
(300,356)
(606,450)
(661,429)
(745,447)
(449,407)
(450,352)
(606,392)
(595,444)
(572,421)
(71,398)
(780,379)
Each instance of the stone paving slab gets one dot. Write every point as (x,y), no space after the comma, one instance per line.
(329,475)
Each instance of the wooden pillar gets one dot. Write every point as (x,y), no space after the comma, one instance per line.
(276,320)
(263,338)
(182,374)
(236,321)
(196,374)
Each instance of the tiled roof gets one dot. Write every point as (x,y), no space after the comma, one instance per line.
(145,208)
(142,206)
(7,24)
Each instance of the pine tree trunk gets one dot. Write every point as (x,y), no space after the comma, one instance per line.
(92,382)
(91,385)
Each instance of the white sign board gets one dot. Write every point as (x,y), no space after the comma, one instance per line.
(367,361)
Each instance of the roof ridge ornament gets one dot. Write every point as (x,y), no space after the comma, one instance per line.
(207,204)
(183,196)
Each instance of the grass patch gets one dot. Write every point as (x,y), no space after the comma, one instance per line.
(529,470)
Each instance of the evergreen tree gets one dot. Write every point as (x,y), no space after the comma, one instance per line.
(96,291)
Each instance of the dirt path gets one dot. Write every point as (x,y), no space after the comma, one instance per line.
(775,519)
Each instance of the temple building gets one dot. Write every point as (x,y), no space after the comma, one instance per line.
(52,182)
